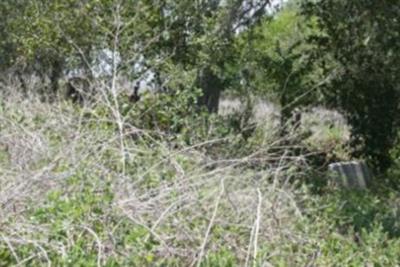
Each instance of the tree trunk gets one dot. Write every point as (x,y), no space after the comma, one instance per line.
(211,86)
(286,114)
(55,75)
(22,82)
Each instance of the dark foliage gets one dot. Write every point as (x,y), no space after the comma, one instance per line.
(363,38)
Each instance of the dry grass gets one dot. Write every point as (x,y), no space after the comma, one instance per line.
(189,204)
(84,186)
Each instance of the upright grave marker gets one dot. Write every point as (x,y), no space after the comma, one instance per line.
(352,175)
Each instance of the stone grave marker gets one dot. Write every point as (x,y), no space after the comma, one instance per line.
(351,175)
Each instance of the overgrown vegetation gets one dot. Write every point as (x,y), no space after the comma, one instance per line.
(199,135)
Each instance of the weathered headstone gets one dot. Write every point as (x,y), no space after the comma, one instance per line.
(352,174)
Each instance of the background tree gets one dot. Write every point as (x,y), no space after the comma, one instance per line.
(194,36)
(277,62)
(363,38)
(199,36)
(51,37)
